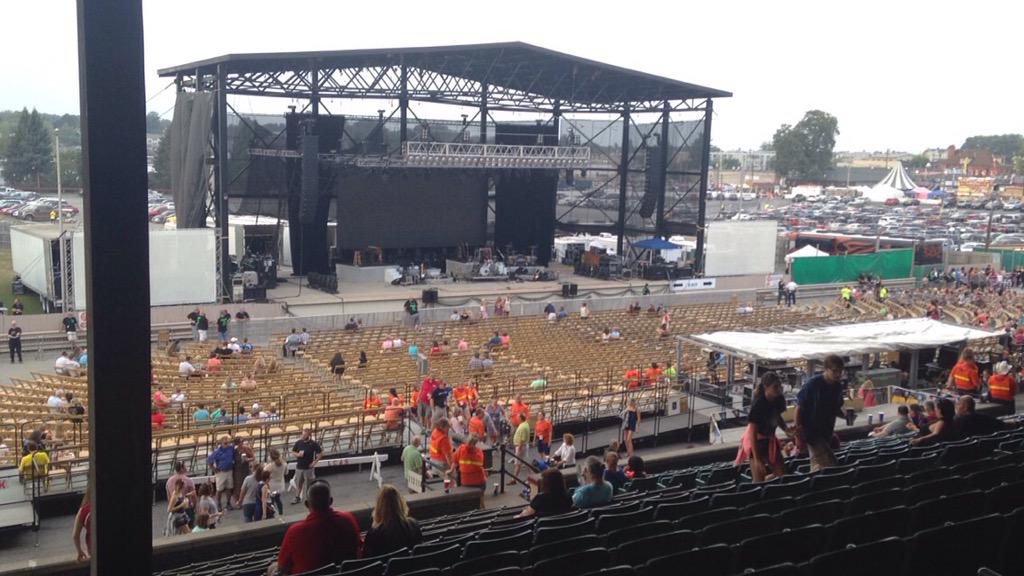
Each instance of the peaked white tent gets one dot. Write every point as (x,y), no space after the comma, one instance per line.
(898,178)
(805,252)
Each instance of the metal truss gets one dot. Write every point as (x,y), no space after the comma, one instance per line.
(435,86)
(457,155)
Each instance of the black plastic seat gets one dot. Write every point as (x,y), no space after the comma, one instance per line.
(697,522)
(867,473)
(372,569)
(812,514)
(784,569)
(635,532)
(876,501)
(431,547)
(425,572)
(934,489)
(511,571)
(1004,474)
(955,508)
(787,546)
(677,510)
(737,499)
(1011,554)
(877,557)
(706,561)
(878,485)
(957,549)
(553,549)
(561,519)
(352,565)
(574,564)
(329,570)
(478,548)
(770,506)
(912,464)
(685,480)
(556,533)
(1005,498)
(794,488)
(488,563)
(614,571)
(506,531)
(636,552)
(828,479)
(642,484)
(717,475)
(620,507)
(406,564)
(609,522)
(864,528)
(844,493)
(960,452)
(734,531)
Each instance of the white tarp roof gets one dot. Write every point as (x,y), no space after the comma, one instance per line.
(805,252)
(843,339)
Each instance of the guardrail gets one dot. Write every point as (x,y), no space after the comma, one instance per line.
(829,291)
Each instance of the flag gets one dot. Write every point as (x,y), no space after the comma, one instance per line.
(715,435)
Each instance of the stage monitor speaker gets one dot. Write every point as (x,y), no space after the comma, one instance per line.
(654,182)
(574,290)
(565,290)
(430,296)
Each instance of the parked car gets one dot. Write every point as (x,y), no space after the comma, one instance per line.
(892,201)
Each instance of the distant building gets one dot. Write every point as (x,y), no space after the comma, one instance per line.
(980,163)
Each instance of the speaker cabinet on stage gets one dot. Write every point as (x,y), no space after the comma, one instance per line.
(570,290)
(524,207)
(309,189)
(430,296)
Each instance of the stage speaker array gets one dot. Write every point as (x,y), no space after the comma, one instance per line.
(654,182)
(309,191)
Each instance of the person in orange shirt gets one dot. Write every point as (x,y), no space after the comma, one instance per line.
(393,413)
(473,395)
(441,448)
(461,394)
(470,459)
(1002,387)
(542,434)
(964,375)
(372,403)
(652,374)
(632,377)
(476,424)
(519,408)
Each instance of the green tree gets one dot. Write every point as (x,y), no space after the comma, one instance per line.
(1002,145)
(160,177)
(28,157)
(70,168)
(155,124)
(917,162)
(804,152)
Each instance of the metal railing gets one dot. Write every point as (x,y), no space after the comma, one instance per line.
(456,155)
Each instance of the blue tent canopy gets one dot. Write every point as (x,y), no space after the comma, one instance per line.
(656,244)
(937,193)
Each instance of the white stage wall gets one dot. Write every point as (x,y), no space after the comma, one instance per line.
(740,248)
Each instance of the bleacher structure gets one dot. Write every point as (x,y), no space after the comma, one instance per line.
(584,381)
(887,508)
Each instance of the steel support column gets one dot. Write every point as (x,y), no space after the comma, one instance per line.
(705,160)
(220,177)
(659,222)
(403,107)
(113,108)
(623,182)
(314,88)
(483,113)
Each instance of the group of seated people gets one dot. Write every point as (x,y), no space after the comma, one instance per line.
(72,363)
(634,378)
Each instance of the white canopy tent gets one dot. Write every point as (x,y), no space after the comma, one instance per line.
(805,252)
(883,192)
(898,178)
(841,339)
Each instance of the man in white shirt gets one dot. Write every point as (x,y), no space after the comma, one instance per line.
(791,293)
(304,337)
(234,346)
(185,368)
(65,365)
(55,402)
(584,311)
(178,398)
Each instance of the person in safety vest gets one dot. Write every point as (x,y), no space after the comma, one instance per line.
(441,448)
(964,375)
(1002,386)
(470,459)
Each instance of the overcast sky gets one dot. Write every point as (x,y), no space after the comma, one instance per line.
(898,75)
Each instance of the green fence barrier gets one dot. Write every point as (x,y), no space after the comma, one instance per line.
(923,270)
(1011,258)
(889,264)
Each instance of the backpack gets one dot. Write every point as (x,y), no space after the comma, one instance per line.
(258,514)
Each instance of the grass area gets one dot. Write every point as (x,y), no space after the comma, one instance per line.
(30,300)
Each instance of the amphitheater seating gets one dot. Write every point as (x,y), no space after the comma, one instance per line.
(969,525)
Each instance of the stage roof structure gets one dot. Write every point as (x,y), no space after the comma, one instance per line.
(509,75)
(841,339)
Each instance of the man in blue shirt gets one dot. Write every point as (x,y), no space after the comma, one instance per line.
(223,462)
(819,403)
(595,492)
(201,416)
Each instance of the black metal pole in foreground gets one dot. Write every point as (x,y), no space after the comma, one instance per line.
(110,55)
(698,263)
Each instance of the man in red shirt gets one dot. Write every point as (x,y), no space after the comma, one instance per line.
(542,434)
(425,409)
(470,460)
(326,536)
(476,424)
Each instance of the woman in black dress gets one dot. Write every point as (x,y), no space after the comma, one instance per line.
(759,442)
